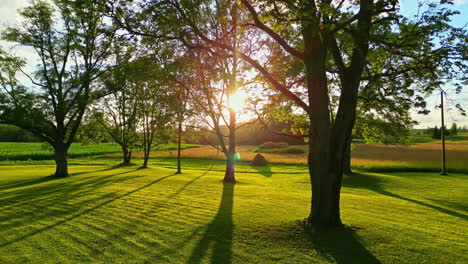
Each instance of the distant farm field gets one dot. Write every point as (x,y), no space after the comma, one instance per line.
(40,151)
(372,157)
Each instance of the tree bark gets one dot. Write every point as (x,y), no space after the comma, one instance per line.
(329,143)
(145,159)
(127,154)
(347,161)
(229,175)
(127,158)
(61,163)
(179,139)
(323,180)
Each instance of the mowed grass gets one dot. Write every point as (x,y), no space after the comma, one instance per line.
(112,214)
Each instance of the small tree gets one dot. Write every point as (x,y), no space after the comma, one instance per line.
(118,112)
(212,88)
(156,101)
(182,113)
(454,130)
(91,131)
(437,133)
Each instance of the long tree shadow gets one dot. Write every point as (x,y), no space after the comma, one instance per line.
(36,199)
(189,183)
(24,183)
(263,170)
(341,245)
(334,245)
(373,183)
(218,232)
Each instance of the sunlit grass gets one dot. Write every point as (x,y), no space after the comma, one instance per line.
(112,214)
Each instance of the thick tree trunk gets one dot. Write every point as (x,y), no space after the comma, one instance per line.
(328,144)
(61,163)
(145,160)
(127,155)
(347,161)
(324,181)
(179,139)
(229,176)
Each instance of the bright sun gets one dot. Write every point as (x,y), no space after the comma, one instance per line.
(237,100)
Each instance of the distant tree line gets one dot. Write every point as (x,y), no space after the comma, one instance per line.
(436,132)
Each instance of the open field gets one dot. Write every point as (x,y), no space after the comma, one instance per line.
(372,157)
(417,157)
(110,214)
(37,151)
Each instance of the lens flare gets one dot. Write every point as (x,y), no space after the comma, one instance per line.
(237,100)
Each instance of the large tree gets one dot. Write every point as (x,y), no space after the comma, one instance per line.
(71,40)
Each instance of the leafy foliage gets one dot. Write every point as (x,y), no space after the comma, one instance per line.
(71,40)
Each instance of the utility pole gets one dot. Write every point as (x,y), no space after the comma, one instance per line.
(442,131)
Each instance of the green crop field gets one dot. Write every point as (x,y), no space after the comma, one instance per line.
(41,151)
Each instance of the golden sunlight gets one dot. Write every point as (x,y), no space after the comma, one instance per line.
(237,100)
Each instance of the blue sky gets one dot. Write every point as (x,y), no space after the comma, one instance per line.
(408,8)
(8,15)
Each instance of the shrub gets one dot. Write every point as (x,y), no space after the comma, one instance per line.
(284,150)
(291,150)
(273,145)
(258,160)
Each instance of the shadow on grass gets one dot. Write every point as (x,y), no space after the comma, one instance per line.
(50,156)
(27,182)
(263,170)
(334,245)
(54,197)
(189,183)
(52,177)
(341,245)
(218,233)
(374,183)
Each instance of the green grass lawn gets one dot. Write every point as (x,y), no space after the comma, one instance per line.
(109,214)
(37,151)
